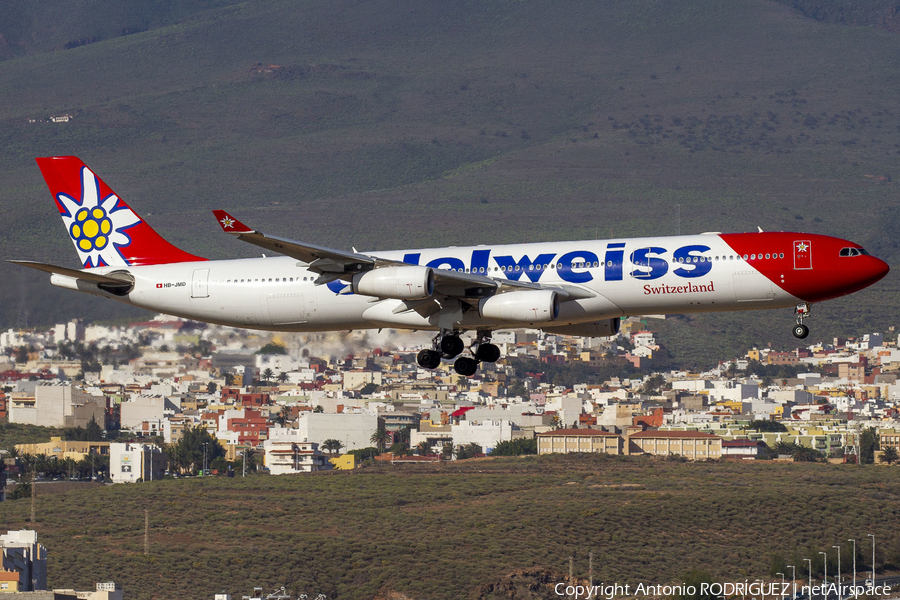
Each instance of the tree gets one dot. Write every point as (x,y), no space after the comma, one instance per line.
(888,455)
(380,438)
(332,446)
(267,375)
(92,431)
(399,449)
(468,451)
(423,448)
(22,490)
(783,447)
(766,425)
(272,348)
(515,447)
(248,455)
(219,465)
(283,377)
(868,444)
(805,454)
(187,453)
(653,384)
(282,417)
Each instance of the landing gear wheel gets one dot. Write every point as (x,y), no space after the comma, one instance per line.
(466,366)
(801,331)
(429,359)
(487,353)
(451,345)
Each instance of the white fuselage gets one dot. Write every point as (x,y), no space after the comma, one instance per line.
(698,273)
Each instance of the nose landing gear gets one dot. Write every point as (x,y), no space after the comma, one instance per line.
(802,311)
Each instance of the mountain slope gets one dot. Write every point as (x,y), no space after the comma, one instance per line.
(473,121)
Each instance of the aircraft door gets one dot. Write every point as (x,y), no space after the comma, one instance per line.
(200,283)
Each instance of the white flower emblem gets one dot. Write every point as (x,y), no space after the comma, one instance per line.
(802,247)
(227,222)
(97,226)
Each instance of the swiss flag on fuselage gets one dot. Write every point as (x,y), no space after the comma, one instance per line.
(802,255)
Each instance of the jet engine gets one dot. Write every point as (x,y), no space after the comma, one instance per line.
(605,328)
(402,283)
(539,306)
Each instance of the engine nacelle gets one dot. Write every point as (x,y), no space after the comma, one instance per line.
(605,328)
(539,306)
(402,283)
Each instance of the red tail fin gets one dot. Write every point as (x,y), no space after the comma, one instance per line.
(105,231)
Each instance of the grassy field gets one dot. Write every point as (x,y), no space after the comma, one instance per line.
(458,530)
(476,121)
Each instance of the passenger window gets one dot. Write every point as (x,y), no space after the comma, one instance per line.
(767,257)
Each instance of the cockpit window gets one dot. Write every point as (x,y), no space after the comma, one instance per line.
(854,252)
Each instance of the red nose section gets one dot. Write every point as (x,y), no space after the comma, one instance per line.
(808,266)
(874,271)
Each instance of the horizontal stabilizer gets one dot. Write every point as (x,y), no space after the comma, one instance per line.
(111,279)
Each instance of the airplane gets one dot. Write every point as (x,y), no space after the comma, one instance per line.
(579,288)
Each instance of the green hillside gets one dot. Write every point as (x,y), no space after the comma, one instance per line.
(474,122)
(456,531)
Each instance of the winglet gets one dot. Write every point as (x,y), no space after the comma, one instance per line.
(229,224)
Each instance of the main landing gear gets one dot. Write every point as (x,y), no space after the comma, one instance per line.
(448,345)
(802,311)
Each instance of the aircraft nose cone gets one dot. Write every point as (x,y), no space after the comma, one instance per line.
(874,270)
(881,269)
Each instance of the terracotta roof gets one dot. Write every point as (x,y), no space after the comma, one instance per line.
(674,434)
(573,432)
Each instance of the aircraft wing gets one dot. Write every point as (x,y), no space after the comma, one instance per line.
(110,279)
(334,264)
(319,258)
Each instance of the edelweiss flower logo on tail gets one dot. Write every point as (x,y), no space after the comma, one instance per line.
(97,226)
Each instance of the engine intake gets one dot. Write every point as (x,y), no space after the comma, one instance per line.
(402,283)
(539,306)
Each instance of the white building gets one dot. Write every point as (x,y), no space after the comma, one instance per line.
(59,406)
(486,434)
(21,553)
(354,430)
(130,462)
(140,409)
(288,452)
(279,363)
